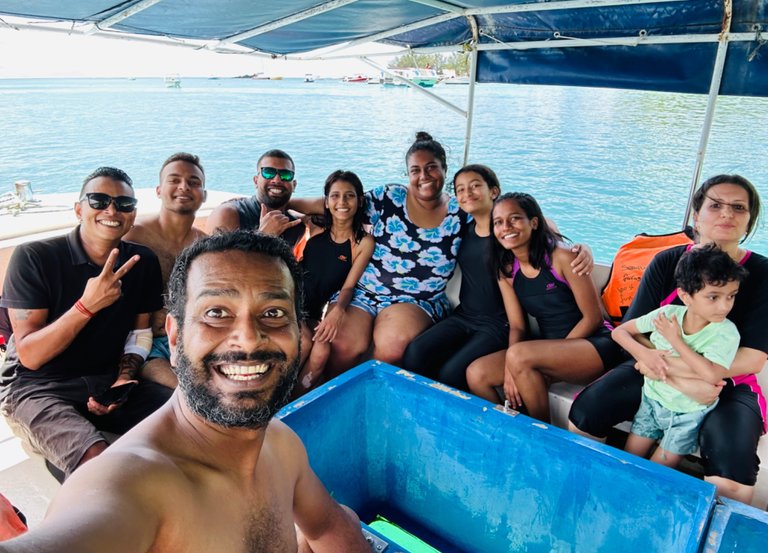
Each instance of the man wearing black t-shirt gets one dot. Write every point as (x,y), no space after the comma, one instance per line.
(79,307)
(266,211)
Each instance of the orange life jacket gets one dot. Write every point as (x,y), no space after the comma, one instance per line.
(628,267)
(298,248)
(11,524)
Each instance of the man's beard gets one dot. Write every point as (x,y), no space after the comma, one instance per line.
(253,410)
(184,210)
(272,202)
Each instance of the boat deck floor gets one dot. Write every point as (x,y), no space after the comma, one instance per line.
(24,480)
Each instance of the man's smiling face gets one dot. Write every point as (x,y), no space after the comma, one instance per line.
(109,223)
(274,192)
(236,352)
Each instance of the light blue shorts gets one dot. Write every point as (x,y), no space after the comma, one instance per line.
(678,432)
(160,348)
(437,307)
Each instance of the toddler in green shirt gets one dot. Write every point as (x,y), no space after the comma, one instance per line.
(695,338)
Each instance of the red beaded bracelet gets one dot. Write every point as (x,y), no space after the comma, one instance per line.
(83,309)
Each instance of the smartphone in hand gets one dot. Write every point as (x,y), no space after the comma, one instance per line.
(116,394)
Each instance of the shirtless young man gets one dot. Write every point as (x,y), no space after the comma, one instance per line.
(209,471)
(182,192)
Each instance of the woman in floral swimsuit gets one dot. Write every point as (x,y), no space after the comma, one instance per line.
(417,229)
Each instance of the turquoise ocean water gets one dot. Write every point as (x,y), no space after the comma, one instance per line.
(604,164)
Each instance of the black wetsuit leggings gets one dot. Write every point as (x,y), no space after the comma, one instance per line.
(444,351)
(728,436)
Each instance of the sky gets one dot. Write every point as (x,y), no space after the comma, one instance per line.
(30,53)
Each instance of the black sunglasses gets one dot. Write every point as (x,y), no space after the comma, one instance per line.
(101,201)
(270,172)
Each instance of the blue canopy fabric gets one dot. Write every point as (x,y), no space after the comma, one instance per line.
(673,66)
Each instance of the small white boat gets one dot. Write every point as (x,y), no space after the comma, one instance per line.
(173,81)
(456,80)
(390,81)
(309,78)
(426,78)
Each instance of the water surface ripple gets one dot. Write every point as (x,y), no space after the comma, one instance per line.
(605,164)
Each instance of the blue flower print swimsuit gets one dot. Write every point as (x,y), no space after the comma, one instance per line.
(409,264)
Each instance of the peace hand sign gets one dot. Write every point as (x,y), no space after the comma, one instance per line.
(104,290)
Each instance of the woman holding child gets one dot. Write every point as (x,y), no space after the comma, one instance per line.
(726,211)
(697,337)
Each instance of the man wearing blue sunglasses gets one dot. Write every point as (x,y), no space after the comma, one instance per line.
(80,309)
(267,210)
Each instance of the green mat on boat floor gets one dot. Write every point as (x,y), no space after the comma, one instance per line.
(392,531)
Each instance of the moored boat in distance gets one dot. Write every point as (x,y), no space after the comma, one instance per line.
(390,82)
(456,80)
(425,78)
(358,78)
(309,78)
(173,81)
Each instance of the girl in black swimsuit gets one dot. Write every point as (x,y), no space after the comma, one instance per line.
(535,279)
(478,325)
(333,262)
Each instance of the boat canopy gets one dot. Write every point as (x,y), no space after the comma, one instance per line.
(691,46)
(664,45)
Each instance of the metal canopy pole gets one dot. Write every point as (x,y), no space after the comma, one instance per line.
(472,83)
(714,89)
(414,86)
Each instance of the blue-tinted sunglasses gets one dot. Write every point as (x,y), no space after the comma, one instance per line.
(101,201)
(270,172)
